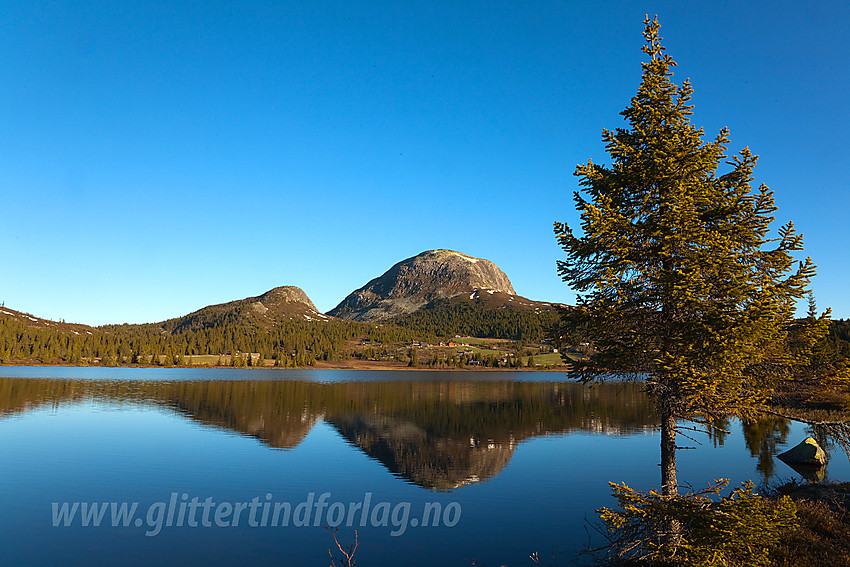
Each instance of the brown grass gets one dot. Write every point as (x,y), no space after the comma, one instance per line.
(823,538)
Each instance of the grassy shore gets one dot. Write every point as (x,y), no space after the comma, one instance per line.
(823,536)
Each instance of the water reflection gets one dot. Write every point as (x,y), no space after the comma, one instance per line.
(139,436)
(718,430)
(437,434)
(762,438)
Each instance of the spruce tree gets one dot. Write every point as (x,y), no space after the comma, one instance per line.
(679,279)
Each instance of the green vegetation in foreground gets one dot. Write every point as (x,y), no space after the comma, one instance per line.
(741,528)
(791,526)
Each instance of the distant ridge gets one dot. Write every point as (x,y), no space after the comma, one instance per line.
(417,281)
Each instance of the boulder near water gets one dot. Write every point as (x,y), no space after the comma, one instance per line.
(808,452)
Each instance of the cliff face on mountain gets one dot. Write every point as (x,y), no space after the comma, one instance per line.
(417,281)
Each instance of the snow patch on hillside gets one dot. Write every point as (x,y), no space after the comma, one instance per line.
(465,257)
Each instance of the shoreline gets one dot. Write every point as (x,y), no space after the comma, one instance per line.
(320,365)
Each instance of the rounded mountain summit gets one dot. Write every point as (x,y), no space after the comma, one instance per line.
(415,282)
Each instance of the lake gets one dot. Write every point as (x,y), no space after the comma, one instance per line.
(229,467)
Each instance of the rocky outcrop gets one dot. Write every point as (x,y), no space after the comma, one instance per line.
(413,283)
(287,300)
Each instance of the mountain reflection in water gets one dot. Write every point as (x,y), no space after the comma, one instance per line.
(436,434)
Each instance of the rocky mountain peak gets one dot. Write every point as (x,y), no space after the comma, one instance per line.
(416,281)
(286,294)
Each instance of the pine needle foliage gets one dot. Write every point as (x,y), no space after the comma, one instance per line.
(680,279)
(673,267)
(740,529)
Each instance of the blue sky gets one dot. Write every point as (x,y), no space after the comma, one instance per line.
(157,157)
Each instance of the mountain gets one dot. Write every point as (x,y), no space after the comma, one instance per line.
(417,281)
(439,293)
(285,303)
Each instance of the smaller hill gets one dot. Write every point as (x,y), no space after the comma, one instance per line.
(285,303)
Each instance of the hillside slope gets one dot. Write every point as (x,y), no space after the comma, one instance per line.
(484,314)
(27,320)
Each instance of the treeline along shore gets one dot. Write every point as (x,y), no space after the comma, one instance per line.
(511,340)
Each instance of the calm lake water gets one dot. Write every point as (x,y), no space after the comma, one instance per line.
(218,460)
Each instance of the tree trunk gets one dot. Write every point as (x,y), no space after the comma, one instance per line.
(671,535)
(669,486)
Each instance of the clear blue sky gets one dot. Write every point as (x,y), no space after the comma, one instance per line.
(157,157)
